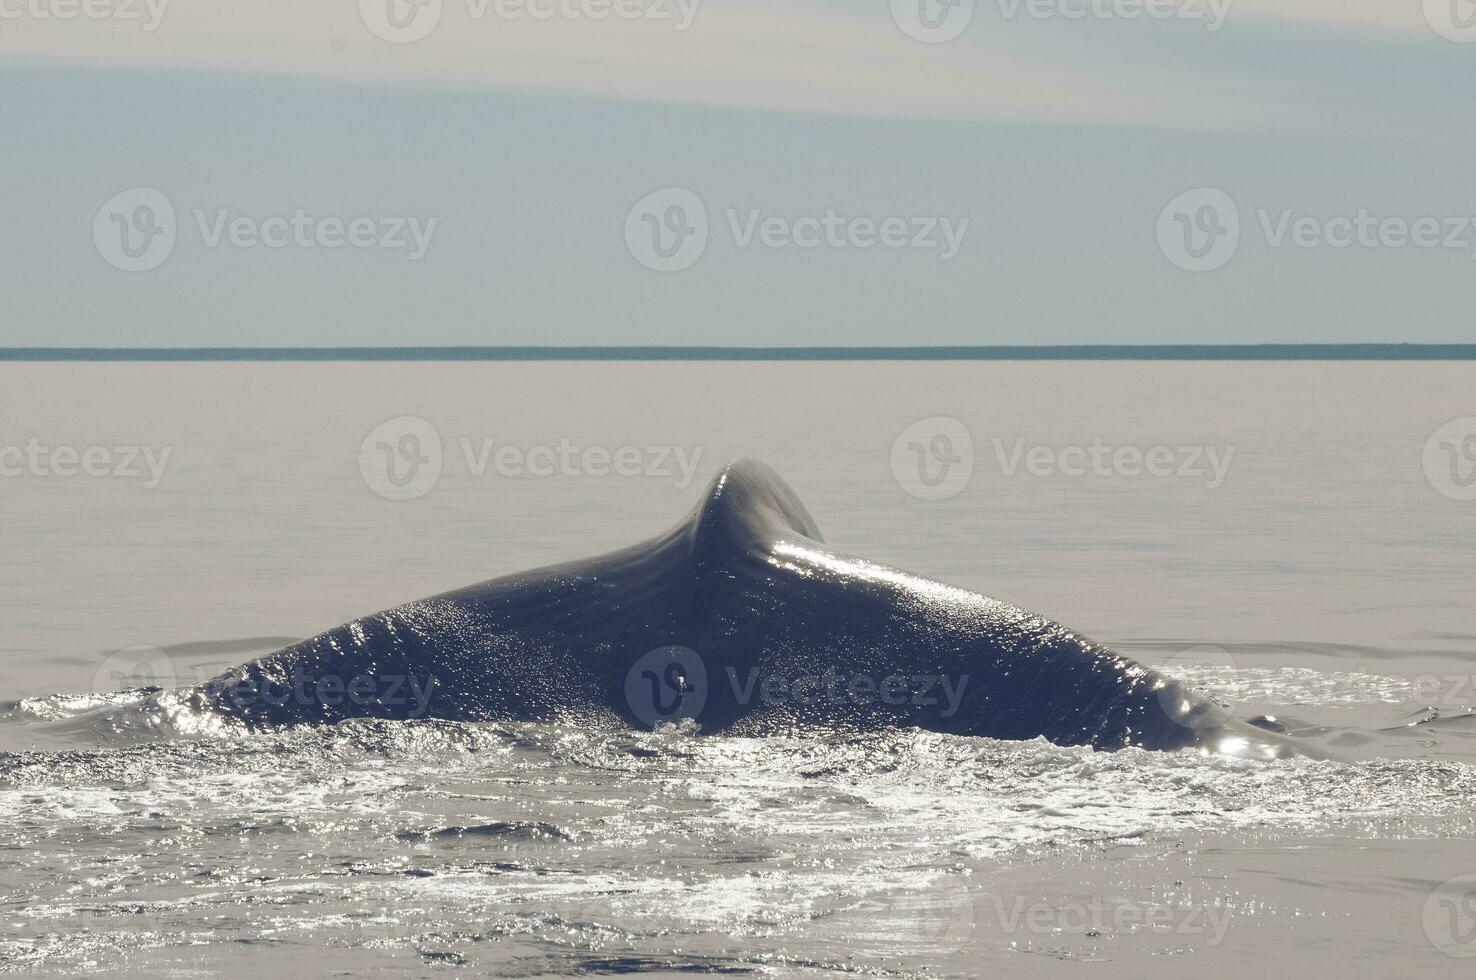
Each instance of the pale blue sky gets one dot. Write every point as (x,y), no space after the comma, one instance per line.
(1060,142)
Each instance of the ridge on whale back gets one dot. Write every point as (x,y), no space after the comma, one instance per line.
(740,619)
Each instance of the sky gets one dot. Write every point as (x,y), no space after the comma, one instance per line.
(736,172)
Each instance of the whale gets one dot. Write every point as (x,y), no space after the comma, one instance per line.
(738,620)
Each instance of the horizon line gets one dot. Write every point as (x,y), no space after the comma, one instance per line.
(1090,352)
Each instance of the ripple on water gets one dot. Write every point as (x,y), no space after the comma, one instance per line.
(428,838)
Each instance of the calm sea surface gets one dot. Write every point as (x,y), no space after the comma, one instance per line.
(1295,538)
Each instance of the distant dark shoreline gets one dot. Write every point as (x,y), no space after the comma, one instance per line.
(1184,352)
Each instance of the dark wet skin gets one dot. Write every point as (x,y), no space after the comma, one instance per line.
(741,620)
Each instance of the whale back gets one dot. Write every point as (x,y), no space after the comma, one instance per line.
(777,630)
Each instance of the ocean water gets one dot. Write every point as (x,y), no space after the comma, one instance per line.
(1302,548)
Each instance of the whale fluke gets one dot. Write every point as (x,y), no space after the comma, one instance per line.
(739,620)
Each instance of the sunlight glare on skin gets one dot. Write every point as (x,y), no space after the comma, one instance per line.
(857,568)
